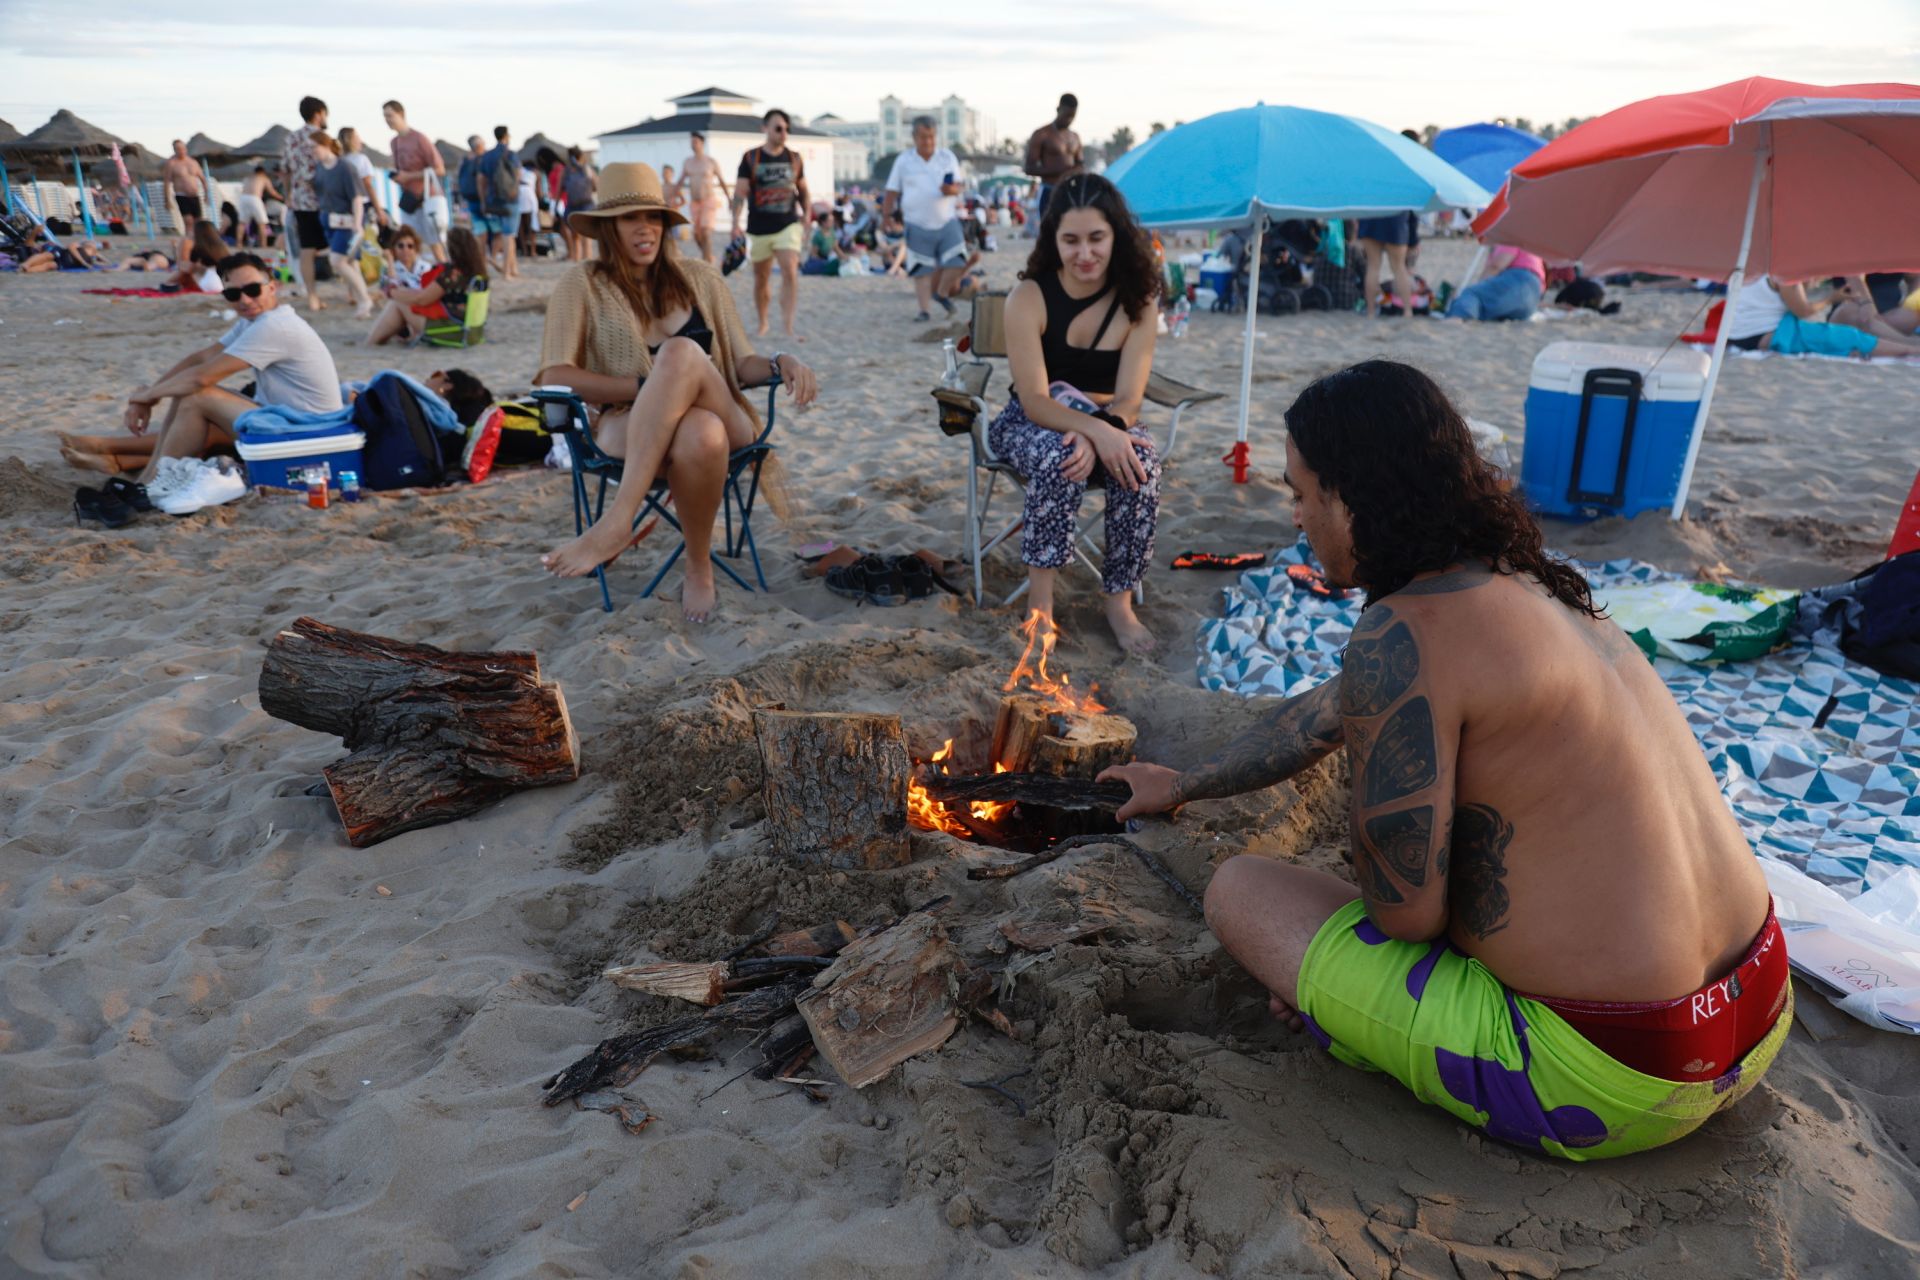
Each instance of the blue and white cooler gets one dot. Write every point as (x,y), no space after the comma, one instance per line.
(1607,427)
(271,455)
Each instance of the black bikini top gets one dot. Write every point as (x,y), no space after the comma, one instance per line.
(695,328)
(1087,369)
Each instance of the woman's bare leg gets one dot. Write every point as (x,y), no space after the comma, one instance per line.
(390,325)
(349,273)
(683,378)
(697,477)
(1370,251)
(121,444)
(1402,277)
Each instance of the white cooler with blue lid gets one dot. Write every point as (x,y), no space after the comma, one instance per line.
(1608,426)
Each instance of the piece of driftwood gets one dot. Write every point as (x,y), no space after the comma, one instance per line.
(1044,935)
(703,984)
(1006,870)
(835,788)
(1031,736)
(433,735)
(616,1060)
(887,998)
(1043,789)
(821,940)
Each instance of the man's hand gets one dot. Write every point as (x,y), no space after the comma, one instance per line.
(139,413)
(1153,789)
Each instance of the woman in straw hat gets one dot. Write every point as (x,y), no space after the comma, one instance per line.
(656,343)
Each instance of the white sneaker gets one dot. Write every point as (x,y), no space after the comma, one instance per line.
(170,475)
(211,485)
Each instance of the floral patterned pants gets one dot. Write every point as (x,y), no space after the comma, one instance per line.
(1053,501)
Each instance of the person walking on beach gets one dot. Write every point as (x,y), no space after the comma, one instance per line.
(772,185)
(496,216)
(655,343)
(185,188)
(297,167)
(290,366)
(923,186)
(706,192)
(1555,930)
(1383,243)
(1080,333)
(421,173)
(1053,152)
(353,152)
(338,189)
(251,206)
(579,186)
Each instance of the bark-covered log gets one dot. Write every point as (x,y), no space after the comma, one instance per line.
(835,788)
(887,998)
(434,735)
(1030,736)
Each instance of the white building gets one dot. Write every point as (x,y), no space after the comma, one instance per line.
(732,128)
(956,125)
(852,148)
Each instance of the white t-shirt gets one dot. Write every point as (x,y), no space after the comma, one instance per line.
(1757,310)
(293,368)
(208,281)
(362,167)
(918,182)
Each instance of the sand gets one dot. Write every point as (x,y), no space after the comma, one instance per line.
(231,1045)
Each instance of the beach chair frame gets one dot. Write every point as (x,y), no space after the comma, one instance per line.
(986,342)
(565,415)
(472,329)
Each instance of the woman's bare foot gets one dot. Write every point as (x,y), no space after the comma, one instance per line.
(1127,628)
(314,304)
(698,596)
(597,546)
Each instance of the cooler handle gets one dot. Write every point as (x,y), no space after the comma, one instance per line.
(1625,383)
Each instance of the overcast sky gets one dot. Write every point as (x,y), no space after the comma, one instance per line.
(572,68)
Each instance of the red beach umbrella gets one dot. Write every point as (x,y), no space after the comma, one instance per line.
(1757,177)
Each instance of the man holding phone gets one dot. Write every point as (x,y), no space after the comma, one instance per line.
(923,187)
(291,368)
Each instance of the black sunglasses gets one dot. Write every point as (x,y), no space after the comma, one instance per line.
(234,292)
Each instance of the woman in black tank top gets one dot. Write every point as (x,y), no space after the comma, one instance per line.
(1080,331)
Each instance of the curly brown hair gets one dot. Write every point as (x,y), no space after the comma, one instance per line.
(1385,438)
(1131,270)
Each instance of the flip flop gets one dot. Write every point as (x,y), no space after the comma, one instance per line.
(1210,560)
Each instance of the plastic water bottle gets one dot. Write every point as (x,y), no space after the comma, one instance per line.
(1181,310)
(951,351)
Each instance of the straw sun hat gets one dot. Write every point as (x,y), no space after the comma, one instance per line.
(623,187)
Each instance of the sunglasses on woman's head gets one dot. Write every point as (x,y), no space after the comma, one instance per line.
(234,292)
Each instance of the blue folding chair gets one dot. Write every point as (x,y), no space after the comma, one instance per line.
(566,415)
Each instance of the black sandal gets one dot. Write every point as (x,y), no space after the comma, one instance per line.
(869,579)
(916,576)
(101,508)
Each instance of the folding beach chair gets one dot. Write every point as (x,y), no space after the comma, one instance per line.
(470,330)
(964,410)
(566,415)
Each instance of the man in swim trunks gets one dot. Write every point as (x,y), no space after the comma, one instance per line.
(184,187)
(706,193)
(1054,153)
(1559,934)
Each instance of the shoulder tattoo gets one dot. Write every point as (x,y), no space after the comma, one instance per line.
(1378,668)
(1404,758)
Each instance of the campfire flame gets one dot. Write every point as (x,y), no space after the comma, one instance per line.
(1059,690)
(928,814)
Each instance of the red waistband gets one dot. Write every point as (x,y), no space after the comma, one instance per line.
(1698,1036)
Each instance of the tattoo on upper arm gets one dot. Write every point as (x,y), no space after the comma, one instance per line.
(1403,841)
(1404,759)
(1373,881)
(1479,892)
(1377,670)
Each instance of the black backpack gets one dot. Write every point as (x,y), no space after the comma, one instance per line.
(1875,616)
(402,449)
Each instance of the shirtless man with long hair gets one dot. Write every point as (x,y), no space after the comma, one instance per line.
(1555,929)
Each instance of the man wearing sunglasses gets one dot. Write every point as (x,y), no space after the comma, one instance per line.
(772,190)
(291,368)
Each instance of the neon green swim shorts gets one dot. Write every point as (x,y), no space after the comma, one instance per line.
(1439,1022)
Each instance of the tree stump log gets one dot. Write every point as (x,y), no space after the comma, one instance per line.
(1030,736)
(433,735)
(835,788)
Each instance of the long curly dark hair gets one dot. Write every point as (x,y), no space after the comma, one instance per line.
(1131,270)
(1385,438)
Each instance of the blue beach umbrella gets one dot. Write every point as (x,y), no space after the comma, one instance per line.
(1238,168)
(1485,152)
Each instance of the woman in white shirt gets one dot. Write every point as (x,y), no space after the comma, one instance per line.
(529,209)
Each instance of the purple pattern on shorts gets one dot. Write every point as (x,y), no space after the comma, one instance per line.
(1369,932)
(1722,1083)
(1513,1112)
(1320,1037)
(1418,975)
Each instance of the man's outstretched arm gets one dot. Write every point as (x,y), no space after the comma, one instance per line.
(1294,735)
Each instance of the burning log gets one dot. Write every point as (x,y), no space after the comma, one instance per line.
(1033,735)
(836,788)
(1041,789)
(434,735)
(887,998)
